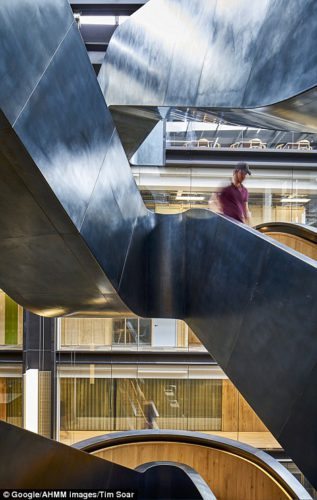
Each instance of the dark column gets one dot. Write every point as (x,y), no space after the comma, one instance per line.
(39,348)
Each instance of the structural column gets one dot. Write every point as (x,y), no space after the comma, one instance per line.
(39,373)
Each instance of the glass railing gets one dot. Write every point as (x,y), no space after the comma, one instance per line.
(97,399)
(126,334)
(275,195)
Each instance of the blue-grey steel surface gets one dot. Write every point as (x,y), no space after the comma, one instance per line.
(247,62)
(76,237)
(152,150)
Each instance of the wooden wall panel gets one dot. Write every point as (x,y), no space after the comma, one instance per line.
(305,247)
(192,339)
(267,213)
(230,477)
(237,414)
(45,403)
(86,331)
(229,407)
(248,419)
(182,333)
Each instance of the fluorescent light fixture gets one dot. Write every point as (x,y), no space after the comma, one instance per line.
(190,198)
(295,200)
(101,20)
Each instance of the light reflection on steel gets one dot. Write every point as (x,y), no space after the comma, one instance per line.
(247,63)
(75,234)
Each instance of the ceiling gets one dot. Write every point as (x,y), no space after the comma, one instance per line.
(97,36)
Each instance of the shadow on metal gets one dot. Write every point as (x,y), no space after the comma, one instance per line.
(76,238)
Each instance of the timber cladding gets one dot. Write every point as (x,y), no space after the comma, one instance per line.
(229,476)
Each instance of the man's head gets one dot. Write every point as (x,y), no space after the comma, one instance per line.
(241,171)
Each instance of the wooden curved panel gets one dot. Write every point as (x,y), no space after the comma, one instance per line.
(296,243)
(229,476)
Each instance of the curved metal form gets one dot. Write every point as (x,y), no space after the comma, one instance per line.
(232,60)
(165,473)
(76,237)
(265,462)
(307,233)
(31,461)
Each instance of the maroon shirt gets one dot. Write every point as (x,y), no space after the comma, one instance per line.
(232,200)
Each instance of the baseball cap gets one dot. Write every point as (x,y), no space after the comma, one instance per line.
(244,167)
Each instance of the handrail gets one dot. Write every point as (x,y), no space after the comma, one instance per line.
(307,233)
(137,400)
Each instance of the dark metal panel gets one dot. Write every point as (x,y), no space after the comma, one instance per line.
(37,233)
(173,481)
(281,304)
(134,284)
(133,125)
(39,241)
(9,356)
(241,291)
(36,271)
(269,159)
(233,62)
(220,289)
(32,461)
(115,199)
(166,267)
(235,52)
(63,149)
(93,33)
(232,33)
(22,218)
(45,212)
(18,77)
(282,58)
(134,357)
(152,149)
(106,7)
(38,342)
(301,418)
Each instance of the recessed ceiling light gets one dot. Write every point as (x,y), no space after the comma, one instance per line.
(295,200)
(190,198)
(101,20)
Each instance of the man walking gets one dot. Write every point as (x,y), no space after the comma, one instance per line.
(233,199)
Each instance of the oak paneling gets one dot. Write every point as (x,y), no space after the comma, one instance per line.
(237,414)
(299,244)
(230,477)
(86,331)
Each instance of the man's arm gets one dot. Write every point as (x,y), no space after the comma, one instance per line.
(214,203)
(247,214)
